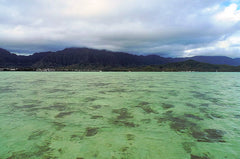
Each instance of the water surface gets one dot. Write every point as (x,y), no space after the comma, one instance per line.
(119,115)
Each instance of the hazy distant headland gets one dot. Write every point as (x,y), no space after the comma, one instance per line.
(86,59)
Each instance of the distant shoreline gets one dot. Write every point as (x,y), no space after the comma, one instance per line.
(186,66)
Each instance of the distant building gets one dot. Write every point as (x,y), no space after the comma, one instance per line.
(46,70)
(7,69)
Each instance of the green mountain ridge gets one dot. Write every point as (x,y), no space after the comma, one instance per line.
(85,59)
(185,66)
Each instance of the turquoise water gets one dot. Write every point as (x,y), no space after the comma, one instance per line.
(76,115)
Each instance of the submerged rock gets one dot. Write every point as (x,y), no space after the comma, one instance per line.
(125,123)
(130,137)
(146,108)
(96,106)
(209,135)
(36,134)
(90,99)
(143,103)
(181,124)
(213,115)
(198,95)
(193,116)
(199,157)
(215,135)
(56,106)
(58,126)
(123,113)
(63,114)
(167,106)
(187,146)
(96,116)
(76,137)
(122,118)
(146,121)
(91,131)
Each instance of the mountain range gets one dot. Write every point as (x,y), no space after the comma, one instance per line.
(85,57)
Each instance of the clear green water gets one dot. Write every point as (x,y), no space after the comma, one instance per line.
(119,115)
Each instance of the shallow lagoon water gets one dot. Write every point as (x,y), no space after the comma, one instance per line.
(119,115)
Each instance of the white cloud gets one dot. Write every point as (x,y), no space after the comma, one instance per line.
(172,27)
(230,15)
(227,47)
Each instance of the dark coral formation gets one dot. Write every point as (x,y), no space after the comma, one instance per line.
(130,137)
(199,157)
(167,106)
(209,135)
(193,116)
(187,146)
(58,125)
(123,113)
(181,124)
(125,123)
(63,114)
(90,131)
(96,116)
(146,108)
(123,118)
(36,134)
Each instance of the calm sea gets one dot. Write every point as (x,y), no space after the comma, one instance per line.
(101,115)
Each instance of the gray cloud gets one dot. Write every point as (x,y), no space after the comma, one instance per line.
(169,28)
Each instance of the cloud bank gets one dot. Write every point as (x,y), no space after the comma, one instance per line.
(169,28)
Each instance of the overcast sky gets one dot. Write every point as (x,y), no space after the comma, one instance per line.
(170,28)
